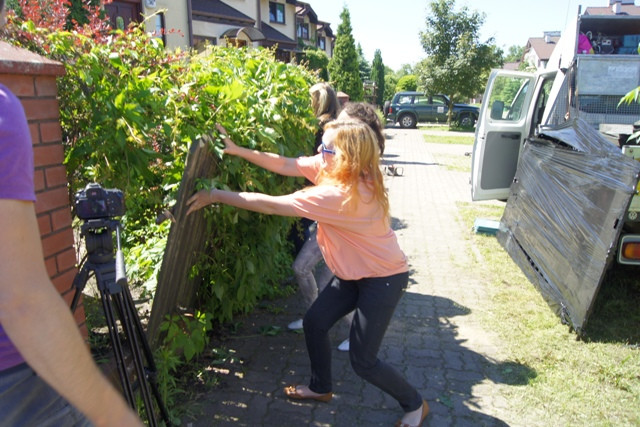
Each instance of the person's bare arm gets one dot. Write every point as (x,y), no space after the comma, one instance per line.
(257,202)
(41,326)
(270,161)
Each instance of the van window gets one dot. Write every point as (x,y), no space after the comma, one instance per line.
(507,97)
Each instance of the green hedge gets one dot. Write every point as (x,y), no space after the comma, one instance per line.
(129,111)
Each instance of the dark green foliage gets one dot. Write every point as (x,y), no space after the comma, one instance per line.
(78,13)
(390,82)
(378,77)
(344,72)
(365,68)
(316,60)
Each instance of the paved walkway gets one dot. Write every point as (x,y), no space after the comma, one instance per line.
(435,337)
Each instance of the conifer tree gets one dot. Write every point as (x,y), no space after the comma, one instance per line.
(377,75)
(365,67)
(344,71)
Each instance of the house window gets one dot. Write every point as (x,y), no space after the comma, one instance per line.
(200,43)
(276,12)
(160,31)
(303,31)
(321,44)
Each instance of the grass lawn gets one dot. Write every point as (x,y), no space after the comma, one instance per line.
(557,378)
(446,136)
(591,381)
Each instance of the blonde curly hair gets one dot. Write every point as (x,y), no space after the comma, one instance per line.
(357,160)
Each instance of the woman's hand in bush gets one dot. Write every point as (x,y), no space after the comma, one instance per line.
(230,146)
(201,199)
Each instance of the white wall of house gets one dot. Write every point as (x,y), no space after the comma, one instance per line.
(248,7)
(176,17)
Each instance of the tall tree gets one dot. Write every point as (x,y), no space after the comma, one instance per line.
(344,69)
(377,75)
(363,65)
(390,82)
(457,61)
(514,54)
(404,70)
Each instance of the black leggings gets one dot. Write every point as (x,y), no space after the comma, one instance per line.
(374,301)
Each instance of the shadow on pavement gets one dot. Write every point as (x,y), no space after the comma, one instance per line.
(422,342)
(447,372)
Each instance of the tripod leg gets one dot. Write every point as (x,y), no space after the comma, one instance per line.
(79,283)
(128,326)
(151,366)
(112,284)
(117,347)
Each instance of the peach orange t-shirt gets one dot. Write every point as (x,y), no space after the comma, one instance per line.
(356,242)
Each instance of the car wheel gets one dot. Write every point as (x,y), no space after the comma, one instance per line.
(466,121)
(407,121)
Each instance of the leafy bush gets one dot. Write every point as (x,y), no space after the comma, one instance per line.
(316,59)
(408,82)
(129,112)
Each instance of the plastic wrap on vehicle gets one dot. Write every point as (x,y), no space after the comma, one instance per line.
(565,213)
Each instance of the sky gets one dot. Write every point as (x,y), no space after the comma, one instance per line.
(394,26)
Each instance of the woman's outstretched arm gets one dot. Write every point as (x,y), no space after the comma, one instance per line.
(273,162)
(257,202)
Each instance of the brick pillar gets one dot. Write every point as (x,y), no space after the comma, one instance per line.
(32,78)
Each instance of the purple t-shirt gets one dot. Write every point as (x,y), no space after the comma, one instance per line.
(16,181)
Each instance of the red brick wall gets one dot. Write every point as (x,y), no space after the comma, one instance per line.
(33,80)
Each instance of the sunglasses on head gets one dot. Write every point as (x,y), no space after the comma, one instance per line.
(326,150)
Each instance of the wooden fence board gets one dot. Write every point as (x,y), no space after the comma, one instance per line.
(175,290)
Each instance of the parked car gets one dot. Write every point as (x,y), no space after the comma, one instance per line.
(410,108)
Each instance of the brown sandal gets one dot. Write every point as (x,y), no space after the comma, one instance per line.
(292,393)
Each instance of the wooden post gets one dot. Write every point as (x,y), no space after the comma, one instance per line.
(187,236)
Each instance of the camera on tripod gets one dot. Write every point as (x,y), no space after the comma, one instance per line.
(95,202)
(99,207)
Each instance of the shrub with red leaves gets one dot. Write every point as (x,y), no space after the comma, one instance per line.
(84,16)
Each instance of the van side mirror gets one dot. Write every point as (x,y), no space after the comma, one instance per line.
(497,108)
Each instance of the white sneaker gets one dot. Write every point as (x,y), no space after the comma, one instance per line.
(344,345)
(295,325)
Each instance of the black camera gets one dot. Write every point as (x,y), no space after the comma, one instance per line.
(96,202)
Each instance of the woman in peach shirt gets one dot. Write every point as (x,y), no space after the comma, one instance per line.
(349,202)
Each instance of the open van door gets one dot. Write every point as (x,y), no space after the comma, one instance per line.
(500,133)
